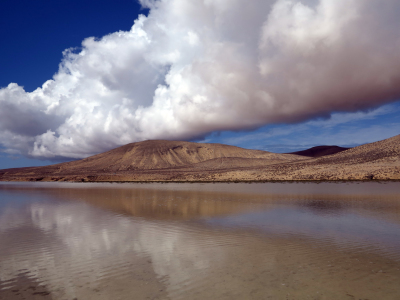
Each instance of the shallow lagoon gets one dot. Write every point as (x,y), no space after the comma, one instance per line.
(200,241)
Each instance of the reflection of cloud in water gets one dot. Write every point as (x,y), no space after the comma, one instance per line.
(344,228)
(11,217)
(71,242)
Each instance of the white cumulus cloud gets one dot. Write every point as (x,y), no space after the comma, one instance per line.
(192,67)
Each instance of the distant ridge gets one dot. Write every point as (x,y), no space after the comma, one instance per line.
(319,151)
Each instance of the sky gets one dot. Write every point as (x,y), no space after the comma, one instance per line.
(78,78)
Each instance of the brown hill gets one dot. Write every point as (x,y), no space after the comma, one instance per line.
(185,161)
(158,154)
(319,151)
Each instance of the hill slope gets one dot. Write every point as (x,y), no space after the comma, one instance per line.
(382,151)
(379,160)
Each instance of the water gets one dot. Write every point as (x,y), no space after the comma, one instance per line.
(200,241)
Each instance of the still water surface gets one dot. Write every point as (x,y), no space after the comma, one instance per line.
(200,241)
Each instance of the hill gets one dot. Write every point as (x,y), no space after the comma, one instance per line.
(319,151)
(151,156)
(160,154)
(185,161)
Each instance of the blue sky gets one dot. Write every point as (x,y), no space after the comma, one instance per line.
(342,129)
(34,35)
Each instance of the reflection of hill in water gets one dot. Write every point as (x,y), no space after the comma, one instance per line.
(165,204)
(189,201)
(323,207)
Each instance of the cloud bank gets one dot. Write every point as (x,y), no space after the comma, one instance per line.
(193,67)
